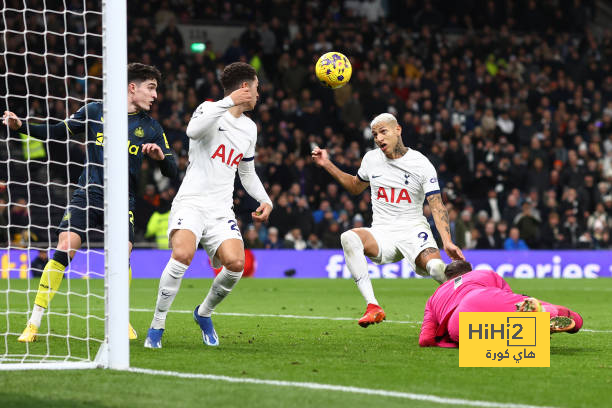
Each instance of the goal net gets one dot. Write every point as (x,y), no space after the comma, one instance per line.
(53,61)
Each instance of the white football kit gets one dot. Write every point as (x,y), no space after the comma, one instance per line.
(398,189)
(220,144)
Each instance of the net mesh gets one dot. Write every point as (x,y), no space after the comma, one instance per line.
(50,66)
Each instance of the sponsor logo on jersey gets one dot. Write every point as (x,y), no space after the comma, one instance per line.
(222,130)
(393,195)
(228,159)
(133,148)
(377,176)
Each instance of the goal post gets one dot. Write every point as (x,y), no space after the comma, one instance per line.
(56,57)
(114,42)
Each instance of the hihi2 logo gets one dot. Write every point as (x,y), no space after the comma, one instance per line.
(504,339)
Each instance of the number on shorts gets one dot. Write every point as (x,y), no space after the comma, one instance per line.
(234,227)
(423,235)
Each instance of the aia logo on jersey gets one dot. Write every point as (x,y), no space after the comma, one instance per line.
(393,195)
(220,152)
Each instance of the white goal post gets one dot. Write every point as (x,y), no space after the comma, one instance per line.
(89,326)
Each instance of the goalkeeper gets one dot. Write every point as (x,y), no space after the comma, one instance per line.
(86,208)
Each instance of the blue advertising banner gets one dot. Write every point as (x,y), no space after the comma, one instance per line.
(149,263)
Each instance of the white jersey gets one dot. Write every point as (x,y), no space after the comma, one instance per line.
(398,187)
(219,143)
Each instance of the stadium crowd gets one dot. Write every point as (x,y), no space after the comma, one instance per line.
(510,100)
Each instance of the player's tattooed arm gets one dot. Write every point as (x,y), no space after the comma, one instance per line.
(351,183)
(440,216)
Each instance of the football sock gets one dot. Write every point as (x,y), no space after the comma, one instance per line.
(435,268)
(221,287)
(169,284)
(50,282)
(357,264)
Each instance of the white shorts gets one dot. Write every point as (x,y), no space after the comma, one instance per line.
(209,230)
(408,243)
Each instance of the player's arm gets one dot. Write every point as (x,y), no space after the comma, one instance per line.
(160,151)
(427,338)
(440,215)
(352,184)
(207,114)
(38,131)
(252,184)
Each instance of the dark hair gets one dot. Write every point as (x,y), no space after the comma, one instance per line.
(139,73)
(457,268)
(235,74)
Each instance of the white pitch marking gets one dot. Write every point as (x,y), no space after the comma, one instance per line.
(288,316)
(330,387)
(282,316)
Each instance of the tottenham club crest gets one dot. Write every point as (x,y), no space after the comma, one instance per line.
(138,132)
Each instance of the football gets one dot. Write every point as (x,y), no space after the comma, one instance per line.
(333,70)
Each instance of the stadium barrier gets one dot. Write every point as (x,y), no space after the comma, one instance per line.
(149,263)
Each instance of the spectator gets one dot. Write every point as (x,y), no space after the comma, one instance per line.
(38,263)
(314,242)
(273,242)
(513,242)
(489,240)
(293,240)
(251,238)
(528,224)
(554,235)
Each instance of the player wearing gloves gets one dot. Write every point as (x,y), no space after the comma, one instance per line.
(222,141)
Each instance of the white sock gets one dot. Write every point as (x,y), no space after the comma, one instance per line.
(37,315)
(169,285)
(357,264)
(221,287)
(435,269)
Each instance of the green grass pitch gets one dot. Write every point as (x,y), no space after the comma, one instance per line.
(337,352)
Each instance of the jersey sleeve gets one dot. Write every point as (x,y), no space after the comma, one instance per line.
(162,141)
(249,155)
(430,179)
(427,337)
(363,172)
(205,117)
(77,122)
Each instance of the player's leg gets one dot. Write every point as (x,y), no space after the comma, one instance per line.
(231,255)
(429,259)
(183,250)
(185,227)
(563,311)
(357,244)
(50,281)
(562,319)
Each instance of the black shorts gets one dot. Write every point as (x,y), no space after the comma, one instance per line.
(83,215)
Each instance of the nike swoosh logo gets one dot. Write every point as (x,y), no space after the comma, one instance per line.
(222,130)
(377,176)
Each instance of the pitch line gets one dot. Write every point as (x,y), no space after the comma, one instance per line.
(341,388)
(282,316)
(288,316)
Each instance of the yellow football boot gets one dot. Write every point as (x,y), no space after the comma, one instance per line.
(29,335)
(132,333)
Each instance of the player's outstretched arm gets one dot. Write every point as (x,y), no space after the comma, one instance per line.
(440,216)
(351,183)
(37,131)
(252,184)
(207,114)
